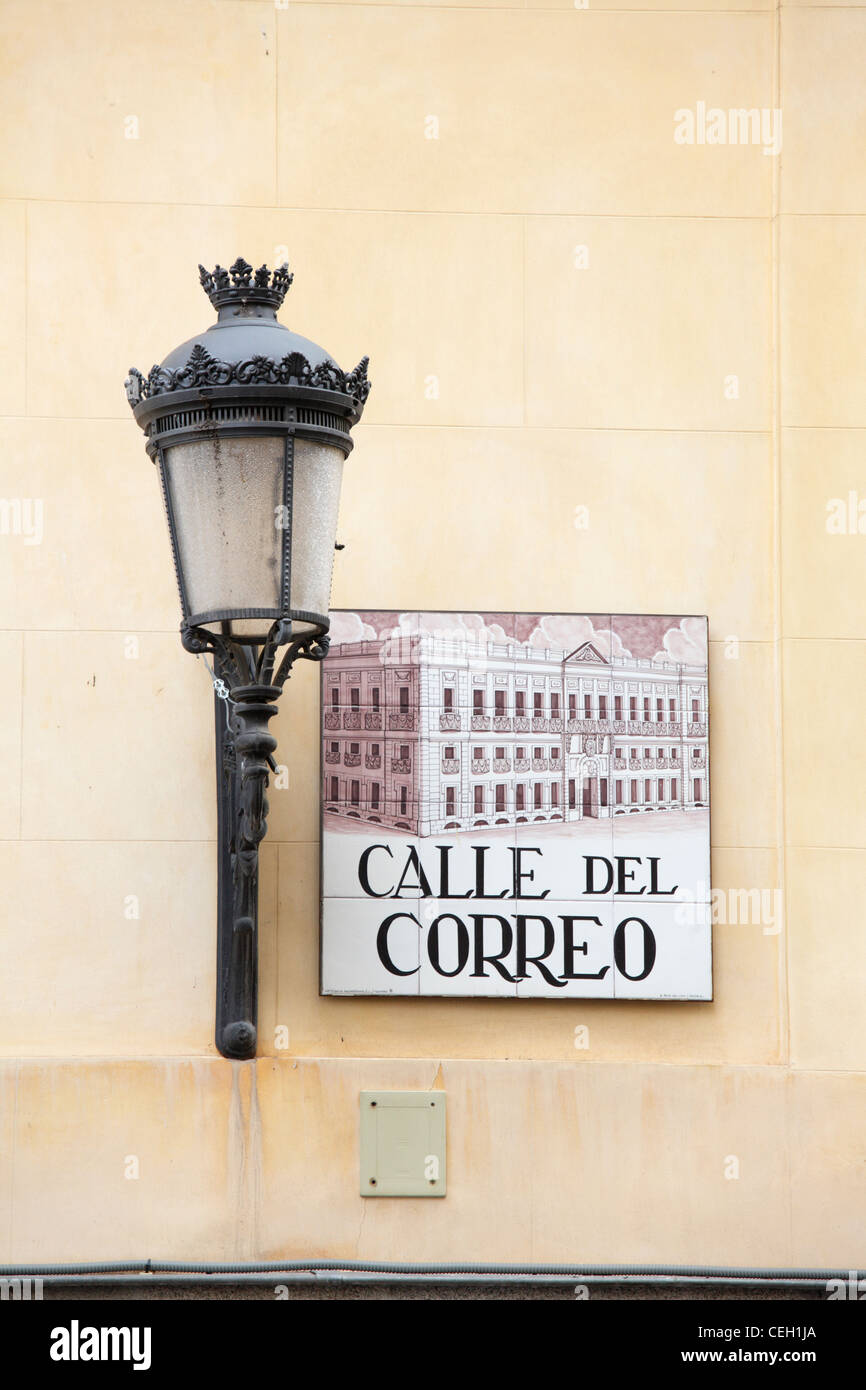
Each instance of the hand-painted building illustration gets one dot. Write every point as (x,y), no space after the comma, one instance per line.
(432,733)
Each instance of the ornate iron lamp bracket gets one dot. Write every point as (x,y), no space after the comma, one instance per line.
(247,683)
(247,388)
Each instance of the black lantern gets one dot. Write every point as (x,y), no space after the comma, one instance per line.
(249,426)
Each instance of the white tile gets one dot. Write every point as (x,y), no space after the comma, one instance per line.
(573,938)
(663,851)
(351,848)
(463,933)
(575,858)
(351,944)
(681,938)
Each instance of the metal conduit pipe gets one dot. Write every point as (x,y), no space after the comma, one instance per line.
(150,1272)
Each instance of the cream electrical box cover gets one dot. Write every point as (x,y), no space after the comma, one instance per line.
(402,1144)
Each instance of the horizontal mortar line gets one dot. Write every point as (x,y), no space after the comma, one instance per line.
(444,425)
(269,842)
(120,840)
(132,840)
(740,848)
(544,9)
(563,429)
(827,849)
(824,849)
(282,1057)
(133,631)
(581,214)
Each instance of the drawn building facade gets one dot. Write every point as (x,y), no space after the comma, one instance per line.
(431,734)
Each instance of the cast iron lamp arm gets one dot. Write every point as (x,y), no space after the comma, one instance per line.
(244,759)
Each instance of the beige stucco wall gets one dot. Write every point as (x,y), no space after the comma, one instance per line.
(303,126)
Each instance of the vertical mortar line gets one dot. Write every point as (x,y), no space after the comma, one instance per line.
(276,107)
(13,1156)
(778,660)
(21,743)
(778,673)
(26,300)
(276,940)
(523,315)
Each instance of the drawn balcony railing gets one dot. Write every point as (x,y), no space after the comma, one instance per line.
(353,760)
(372,761)
(352,719)
(635,764)
(332,757)
(618,726)
(373,719)
(555,759)
(332,719)
(401,721)
(540,725)
(696,729)
(539,764)
(648,763)
(480,765)
(619,764)
(501,765)
(449,721)
(656,728)
(590,726)
(401,765)
(521,764)
(699,761)
(663,762)
(450,765)
(501,723)
(556,725)
(521,723)
(480,722)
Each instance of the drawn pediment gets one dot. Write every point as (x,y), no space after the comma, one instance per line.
(588,653)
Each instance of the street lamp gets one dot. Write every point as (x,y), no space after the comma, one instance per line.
(249,426)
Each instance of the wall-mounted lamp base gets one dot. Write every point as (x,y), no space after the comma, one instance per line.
(244,750)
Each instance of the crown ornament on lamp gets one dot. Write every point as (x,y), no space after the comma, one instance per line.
(241,284)
(239,295)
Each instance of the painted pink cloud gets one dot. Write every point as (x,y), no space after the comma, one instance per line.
(349,627)
(686,643)
(564,632)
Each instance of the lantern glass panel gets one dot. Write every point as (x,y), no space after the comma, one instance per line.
(318,472)
(225,494)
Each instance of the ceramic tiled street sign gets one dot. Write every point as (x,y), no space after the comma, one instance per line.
(516,805)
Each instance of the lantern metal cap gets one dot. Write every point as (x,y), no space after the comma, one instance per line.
(246,348)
